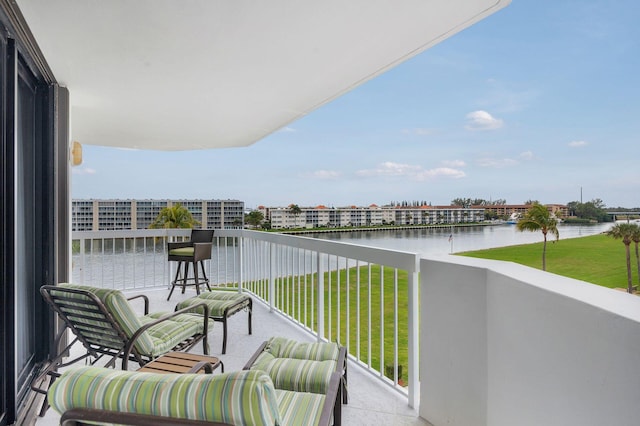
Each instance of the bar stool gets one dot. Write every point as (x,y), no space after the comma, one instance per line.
(192,252)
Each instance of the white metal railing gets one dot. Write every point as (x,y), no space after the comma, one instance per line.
(134,259)
(363,297)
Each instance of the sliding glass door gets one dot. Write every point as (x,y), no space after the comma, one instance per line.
(34,237)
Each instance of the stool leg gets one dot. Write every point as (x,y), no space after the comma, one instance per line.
(204,274)
(195,277)
(186,276)
(175,280)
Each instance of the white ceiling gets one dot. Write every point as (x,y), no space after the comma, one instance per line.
(196,74)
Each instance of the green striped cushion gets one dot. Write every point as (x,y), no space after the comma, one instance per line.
(296,374)
(281,347)
(299,408)
(242,397)
(217,301)
(157,340)
(167,334)
(182,251)
(121,311)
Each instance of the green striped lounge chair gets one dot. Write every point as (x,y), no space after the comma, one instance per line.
(97,396)
(106,324)
(302,366)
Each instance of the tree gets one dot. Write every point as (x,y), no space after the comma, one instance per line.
(176,216)
(592,210)
(624,232)
(538,218)
(295,211)
(461,202)
(635,237)
(254,218)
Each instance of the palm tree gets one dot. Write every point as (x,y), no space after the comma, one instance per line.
(538,218)
(176,216)
(624,232)
(635,237)
(295,211)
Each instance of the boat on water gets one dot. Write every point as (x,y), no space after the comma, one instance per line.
(513,219)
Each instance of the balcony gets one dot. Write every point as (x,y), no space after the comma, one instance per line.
(495,343)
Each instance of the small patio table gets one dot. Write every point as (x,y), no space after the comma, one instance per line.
(183,363)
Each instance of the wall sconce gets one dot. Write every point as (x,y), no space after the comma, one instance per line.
(76,154)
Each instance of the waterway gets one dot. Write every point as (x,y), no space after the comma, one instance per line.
(429,241)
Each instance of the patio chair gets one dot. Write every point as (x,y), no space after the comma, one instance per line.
(303,367)
(90,395)
(106,324)
(193,252)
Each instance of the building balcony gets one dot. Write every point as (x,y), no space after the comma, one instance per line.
(442,341)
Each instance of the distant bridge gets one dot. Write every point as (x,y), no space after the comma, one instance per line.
(616,214)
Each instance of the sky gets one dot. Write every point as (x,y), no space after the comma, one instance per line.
(540,101)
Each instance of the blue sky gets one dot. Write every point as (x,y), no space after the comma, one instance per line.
(535,102)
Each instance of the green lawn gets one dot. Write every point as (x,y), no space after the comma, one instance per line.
(597,259)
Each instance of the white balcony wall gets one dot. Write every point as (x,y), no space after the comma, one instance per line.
(503,344)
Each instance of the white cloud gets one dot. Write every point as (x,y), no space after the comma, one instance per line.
(323,174)
(482,120)
(389,168)
(287,129)
(527,155)
(83,171)
(578,144)
(446,172)
(454,163)
(497,163)
(413,172)
(420,131)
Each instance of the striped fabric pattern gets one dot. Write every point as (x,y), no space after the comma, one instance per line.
(281,347)
(298,408)
(296,374)
(158,339)
(121,311)
(171,332)
(217,301)
(241,398)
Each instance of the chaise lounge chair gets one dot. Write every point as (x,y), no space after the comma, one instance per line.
(303,367)
(106,324)
(90,395)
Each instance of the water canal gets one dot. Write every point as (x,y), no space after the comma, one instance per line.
(426,241)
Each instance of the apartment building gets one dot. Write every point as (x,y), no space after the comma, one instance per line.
(506,210)
(108,215)
(322,216)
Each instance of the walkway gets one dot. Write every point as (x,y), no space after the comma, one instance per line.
(370,401)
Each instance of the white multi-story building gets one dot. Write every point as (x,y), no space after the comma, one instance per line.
(354,216)
(107,215)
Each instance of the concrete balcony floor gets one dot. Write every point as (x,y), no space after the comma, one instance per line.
(370,401)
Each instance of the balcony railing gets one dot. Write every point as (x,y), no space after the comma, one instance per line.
(499,343)
(362,297)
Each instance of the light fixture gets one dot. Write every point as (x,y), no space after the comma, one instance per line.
(76,153)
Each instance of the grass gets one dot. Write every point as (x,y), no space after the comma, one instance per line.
(369,293)
(598,259)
